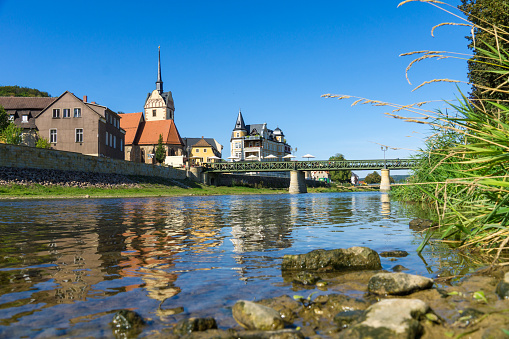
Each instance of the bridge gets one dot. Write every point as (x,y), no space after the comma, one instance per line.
(298,168)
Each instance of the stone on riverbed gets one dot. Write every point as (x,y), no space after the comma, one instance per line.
(503,287)
(279,334)
(397,283)
(195,325)
(421,224)
(390,318)
(353,258)
(127,323)
(394,254)
(253,316)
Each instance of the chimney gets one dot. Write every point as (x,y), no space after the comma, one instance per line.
(85,98)
(93,102)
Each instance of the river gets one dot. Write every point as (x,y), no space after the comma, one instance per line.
(66,266)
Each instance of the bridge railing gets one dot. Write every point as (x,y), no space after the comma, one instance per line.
(319,165)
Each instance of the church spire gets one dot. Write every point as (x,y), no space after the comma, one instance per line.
(159,82)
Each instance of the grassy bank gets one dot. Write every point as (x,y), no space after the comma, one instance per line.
(159,189)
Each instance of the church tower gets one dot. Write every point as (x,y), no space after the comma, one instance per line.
(159,105)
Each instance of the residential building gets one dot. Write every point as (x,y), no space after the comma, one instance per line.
(200,150)
(75,125)
(22,111)
(257,142)
(144,128)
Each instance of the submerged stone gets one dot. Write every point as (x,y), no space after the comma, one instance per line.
(346,318)
(394,254)
(195,325)
(353,258)
(305,278)
(502,289)
(127,323)
(253,316)
(421,224)
(399,268)
(397,283)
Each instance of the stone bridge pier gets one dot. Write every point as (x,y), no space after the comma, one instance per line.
(385,183)
(297,182)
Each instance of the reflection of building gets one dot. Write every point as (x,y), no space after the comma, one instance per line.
(203,150)
(254,142)
(144,129)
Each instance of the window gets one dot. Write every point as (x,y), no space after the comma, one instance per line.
(121,145)
(53,136)
(107,138)
(238,134)
(111,140)
(11,117)
(154,112)
(56,113)
(204,150)
(66,112)
(79,134)
(197,150)
(24,118)
(77,112)
(114,142)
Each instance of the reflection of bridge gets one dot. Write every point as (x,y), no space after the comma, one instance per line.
(298,168)
(320,165)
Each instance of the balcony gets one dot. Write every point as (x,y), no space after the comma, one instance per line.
(253,137)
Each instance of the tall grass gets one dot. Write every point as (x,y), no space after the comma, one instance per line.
(463,173)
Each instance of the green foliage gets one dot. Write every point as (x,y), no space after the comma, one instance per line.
(4,119)
(42,143)
(160,150)
(486,15)
(16,91)
(340,176)
(373,178)
(11,134)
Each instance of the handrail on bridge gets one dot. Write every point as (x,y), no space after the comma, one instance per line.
(318,165)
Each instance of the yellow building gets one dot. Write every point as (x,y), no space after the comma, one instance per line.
(202,151)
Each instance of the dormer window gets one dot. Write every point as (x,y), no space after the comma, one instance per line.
(11,117)
(24,118)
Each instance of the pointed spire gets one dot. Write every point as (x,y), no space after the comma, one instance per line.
(239,125)
(159,82)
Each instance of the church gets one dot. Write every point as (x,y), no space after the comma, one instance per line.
(144,128)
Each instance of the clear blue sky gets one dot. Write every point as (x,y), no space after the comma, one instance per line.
(271,59)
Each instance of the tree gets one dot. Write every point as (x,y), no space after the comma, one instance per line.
(4,119)
(42,143)
(340,176)
(488,16)
(11,134)
(373,178)
(16,91)
(160,150)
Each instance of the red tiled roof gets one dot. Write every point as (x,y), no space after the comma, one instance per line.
(149,132)
(130,122)
(36,103)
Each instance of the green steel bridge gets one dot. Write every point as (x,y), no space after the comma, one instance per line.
(319,165)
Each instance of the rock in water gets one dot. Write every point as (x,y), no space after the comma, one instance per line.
(253,316)
(397,283)
(503,287)
(353,258)
(390,318)
(187,326)
(126,324)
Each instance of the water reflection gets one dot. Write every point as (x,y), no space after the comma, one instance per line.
(79,260)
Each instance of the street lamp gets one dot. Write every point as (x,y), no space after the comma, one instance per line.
(384,149)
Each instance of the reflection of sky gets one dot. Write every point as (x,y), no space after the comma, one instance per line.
(200,253)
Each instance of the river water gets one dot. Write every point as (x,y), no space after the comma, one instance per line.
(66,266)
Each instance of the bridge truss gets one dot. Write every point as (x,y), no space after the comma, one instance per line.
(320,165)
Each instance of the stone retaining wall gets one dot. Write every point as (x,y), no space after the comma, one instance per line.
(31,157)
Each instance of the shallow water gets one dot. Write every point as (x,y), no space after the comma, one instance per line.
(67,265)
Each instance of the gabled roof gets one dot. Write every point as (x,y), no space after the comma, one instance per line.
(67,92)
(130,122)
(23,103)
(149,132)
(202,143)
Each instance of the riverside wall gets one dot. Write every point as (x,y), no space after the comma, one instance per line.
(30,157)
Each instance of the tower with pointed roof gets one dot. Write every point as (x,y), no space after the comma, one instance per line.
(159,104)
